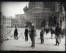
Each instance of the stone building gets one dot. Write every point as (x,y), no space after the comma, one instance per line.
(19,20)
(14,22)
(5,22)
(2,20)
(8,22)
(41,12)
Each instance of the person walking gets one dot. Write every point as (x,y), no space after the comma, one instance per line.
(16,33)
(26,34)
(57,33)
(41,35)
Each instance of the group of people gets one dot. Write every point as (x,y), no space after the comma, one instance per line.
(32,34)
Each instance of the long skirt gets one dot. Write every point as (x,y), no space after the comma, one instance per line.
(58,39)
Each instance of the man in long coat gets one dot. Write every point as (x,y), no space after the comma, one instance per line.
(16,33)
(57,33)
(32,35)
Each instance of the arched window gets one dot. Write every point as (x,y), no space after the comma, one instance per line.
(52,21)
(43,23)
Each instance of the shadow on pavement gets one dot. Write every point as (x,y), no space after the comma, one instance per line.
(49,44)
(46,44)
(23,46)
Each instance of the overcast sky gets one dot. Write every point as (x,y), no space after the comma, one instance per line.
(12,8)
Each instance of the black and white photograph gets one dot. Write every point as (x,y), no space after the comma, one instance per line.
(33,26)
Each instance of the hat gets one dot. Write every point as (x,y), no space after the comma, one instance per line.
(31,21)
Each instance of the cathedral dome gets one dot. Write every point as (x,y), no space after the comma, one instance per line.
(25,8)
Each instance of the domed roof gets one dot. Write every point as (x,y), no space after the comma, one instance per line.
(25,8)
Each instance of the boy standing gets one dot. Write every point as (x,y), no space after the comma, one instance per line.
(41,35)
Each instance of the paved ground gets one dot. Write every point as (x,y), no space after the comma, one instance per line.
(21,45)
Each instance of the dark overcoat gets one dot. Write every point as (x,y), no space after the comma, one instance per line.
(26,31)
(32,33)
(16,32)
(57,30)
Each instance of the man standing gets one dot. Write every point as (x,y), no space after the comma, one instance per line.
(57,32)
(15,33)
(32,34)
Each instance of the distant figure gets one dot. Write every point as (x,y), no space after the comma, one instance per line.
(41,35)
(58,32)
(32,34)
(52,32)
(16,33)
(26,34)
(47,30)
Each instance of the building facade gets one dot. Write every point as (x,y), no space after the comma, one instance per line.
(19,21)
(5,22)
(8,22)
(41,12)
(14,23)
